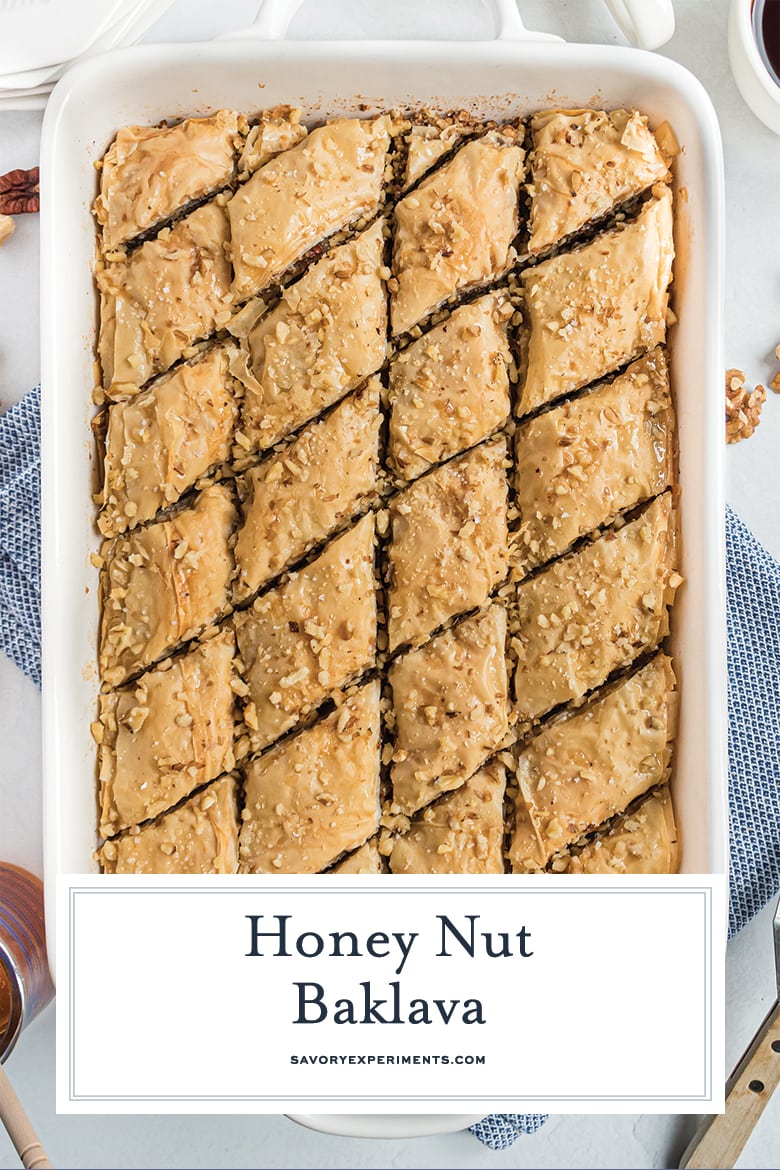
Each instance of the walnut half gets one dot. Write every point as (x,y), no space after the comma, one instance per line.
(743,408)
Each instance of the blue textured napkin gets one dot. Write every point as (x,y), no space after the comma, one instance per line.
(753,619)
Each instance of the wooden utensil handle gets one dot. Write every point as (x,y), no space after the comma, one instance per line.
(720,1142)
(19,1128)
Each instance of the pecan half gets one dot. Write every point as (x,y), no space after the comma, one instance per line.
(19,192)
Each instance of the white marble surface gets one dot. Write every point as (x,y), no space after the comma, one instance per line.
(752,332)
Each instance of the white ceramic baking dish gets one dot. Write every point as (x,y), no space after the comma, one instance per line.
(517,72)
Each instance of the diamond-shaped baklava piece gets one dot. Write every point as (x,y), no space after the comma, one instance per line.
(150,172)
(594,611)
(582,770)
(448,547)
(330,179)
(316,795)
(450,389)
(643,841)
(298,496)
(450,708)
(591,310)
(201,836)
(456,229)
(309,636)
(165,735)
(366,859)
(160,443)
(277,130)
(461,833)
(166,295)
(584,163)
(428,141)
(582,463)
(324,337)
(163,584)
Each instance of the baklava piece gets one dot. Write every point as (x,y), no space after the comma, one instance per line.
(160,443)
(310,636)
(643,841)
(166,735)
(589,311)
(331,179)
(151,172)
(594,611)
(448,547)
(201,836)
(462,833)
(316,795)
(164,584)
(298,496)
(450,389)
(325,336)
(583,164)
(456,229)
(450,708)
(582,770)
(581,464)
(166,295)
(367,859)
(277,130)
(429,141)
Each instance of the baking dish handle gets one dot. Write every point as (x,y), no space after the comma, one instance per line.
(648,24)
(275,16)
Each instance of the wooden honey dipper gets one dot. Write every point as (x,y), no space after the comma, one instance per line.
(19,1127)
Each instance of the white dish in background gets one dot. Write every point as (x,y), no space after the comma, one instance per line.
(754,81)
(502,78)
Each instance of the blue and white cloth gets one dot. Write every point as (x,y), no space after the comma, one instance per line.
(753,619)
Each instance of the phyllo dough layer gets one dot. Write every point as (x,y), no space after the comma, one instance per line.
(332,177)
(163,584)
(448,547)
(298,496)
(309,636)
(150,172)
(456,229)
(591,310)
(315,795)
(583,163)
(324,337)
(580,464)
(366,859)
(450,708)
(450,389)
(594,611)
(171,292)
(645,840)
(582,770)
(166,735)
(461,833)
(201,836)
(160,443)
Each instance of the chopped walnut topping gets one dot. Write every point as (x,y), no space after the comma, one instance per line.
(743,407)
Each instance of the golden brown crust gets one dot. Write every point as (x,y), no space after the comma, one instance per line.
(427,142)
(166,735)
(583,163)
(201,836)
(450,389)
(163,584)
(582,770)
(277,130)
(461,833)
(449,543)
(166,295)
(591,310)
(161,442)
(581,464)
(150,172)
(332,177)
(450,707)
(297,497)
(325,336)
(643,841)
(315,795)
(455,230)
(310,636)
(367,859)
(594,611)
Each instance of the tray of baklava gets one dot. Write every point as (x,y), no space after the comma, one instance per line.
(387,506)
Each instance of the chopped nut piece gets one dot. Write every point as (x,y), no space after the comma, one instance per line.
(743,408)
